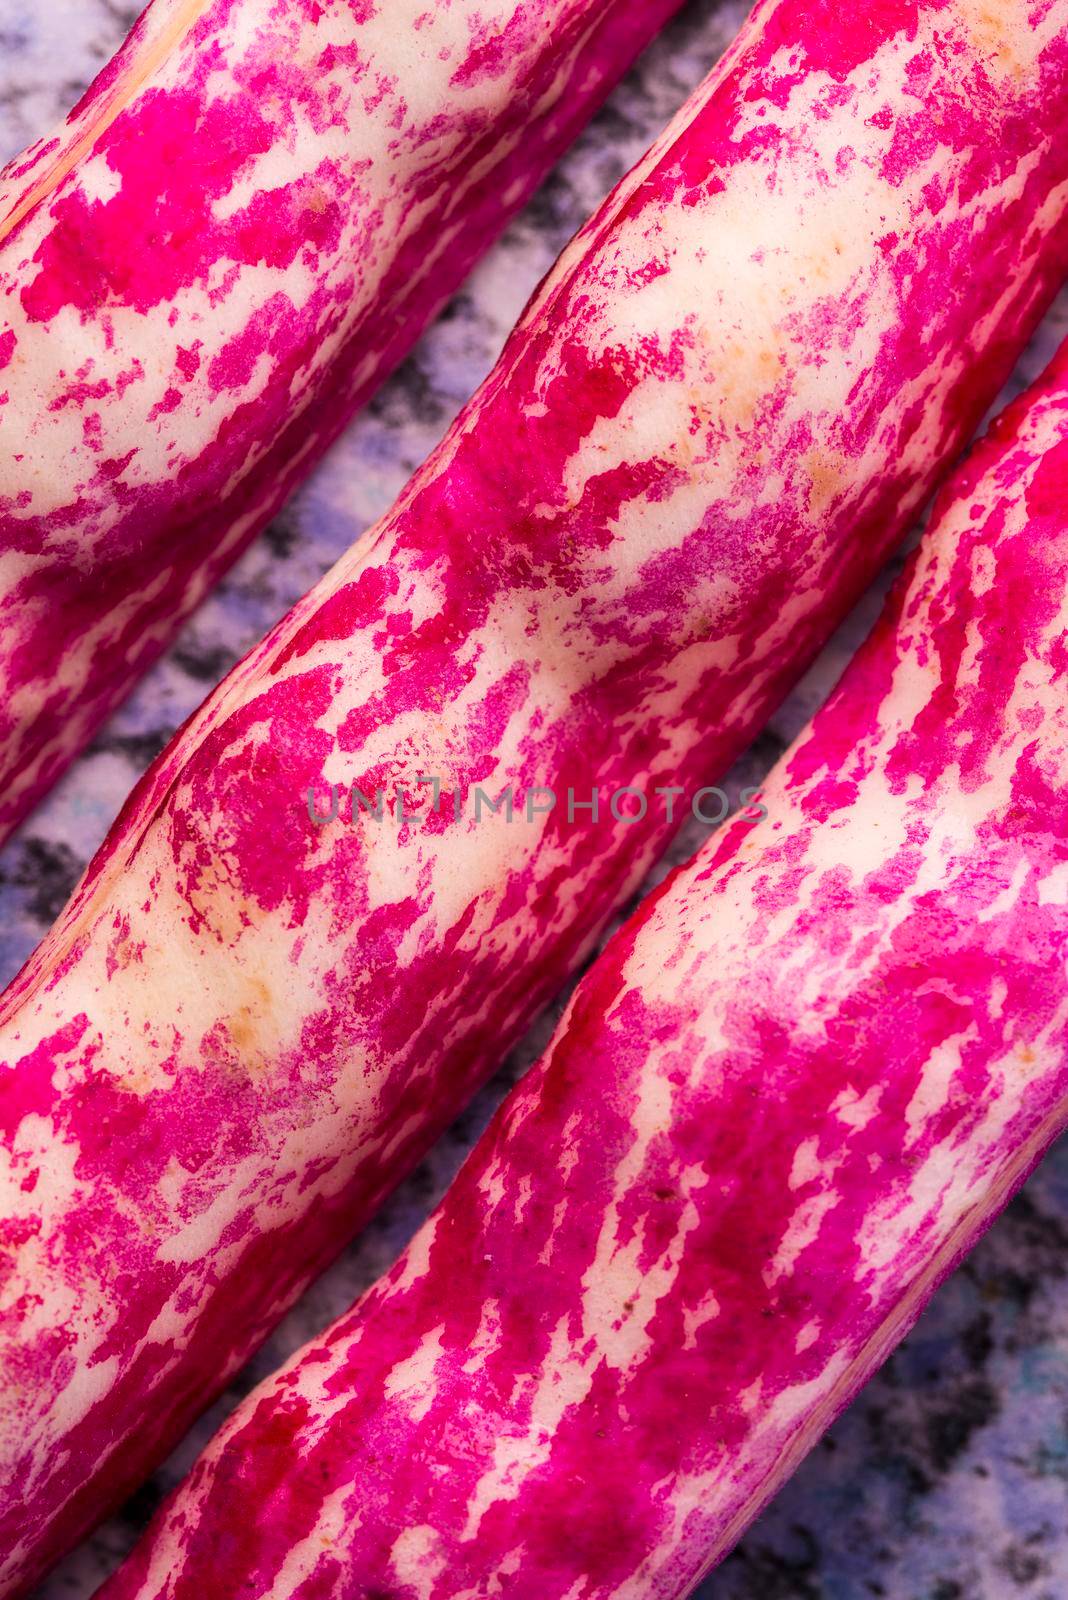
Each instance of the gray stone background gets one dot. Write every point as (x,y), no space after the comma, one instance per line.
(948,1479)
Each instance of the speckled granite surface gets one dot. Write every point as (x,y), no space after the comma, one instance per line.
(948,1479)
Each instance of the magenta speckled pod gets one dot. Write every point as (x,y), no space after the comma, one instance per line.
(719,414)
(238,233)
(793,1091)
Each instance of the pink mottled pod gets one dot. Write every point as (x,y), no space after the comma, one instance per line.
(719,414)
(789,1096)
(238,233)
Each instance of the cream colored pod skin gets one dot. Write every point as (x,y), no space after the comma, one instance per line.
(793,1091)
(241,229)
(720,413)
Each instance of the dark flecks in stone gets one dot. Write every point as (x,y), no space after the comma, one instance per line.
(281,535)
(204,662)
(1021,1564)
(977,1340)
(778,1574)
(140,749)
(411,397)
(972,1406)
(142,1506)
(46,871)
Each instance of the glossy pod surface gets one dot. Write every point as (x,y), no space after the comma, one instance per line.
(717,417)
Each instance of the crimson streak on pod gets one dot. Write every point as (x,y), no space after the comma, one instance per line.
(717,417)
(241,229)
(793,1091)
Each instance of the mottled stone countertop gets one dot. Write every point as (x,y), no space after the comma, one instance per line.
(948,1478)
